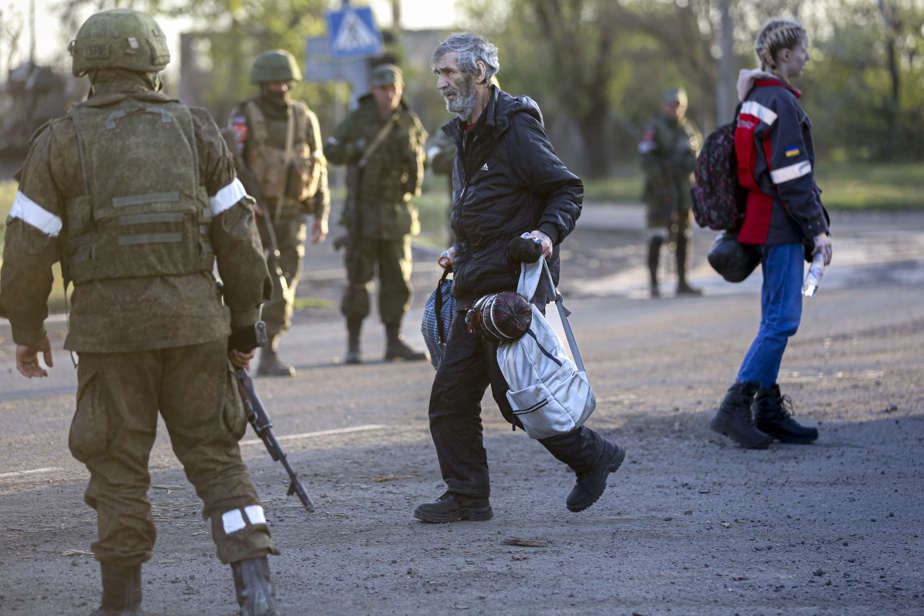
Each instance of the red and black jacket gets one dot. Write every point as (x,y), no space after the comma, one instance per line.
(776,162)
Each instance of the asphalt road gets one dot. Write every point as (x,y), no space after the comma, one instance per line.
(690,525)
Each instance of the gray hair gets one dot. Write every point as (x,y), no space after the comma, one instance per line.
(471,49)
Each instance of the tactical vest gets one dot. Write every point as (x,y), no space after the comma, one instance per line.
(144,213)
(293,171)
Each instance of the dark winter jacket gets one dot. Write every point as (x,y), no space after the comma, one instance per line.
(776,162)
(507,181)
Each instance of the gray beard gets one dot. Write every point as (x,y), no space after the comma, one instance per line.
(466,99)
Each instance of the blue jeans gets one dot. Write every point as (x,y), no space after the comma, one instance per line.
(781,311)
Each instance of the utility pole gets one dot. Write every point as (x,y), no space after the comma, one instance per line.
(726,94)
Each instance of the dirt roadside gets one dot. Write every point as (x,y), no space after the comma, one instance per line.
(689,525)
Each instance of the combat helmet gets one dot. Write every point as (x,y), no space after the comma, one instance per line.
(119,38)
(275,65)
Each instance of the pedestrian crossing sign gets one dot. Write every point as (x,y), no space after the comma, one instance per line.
(352,33)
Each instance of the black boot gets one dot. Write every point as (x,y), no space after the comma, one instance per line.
(354,329)
(734,418)
(682,287)
(654,255)
(270,365)
(591,457)
(255,592)
(121,591)
(773,415)
(452,507)
(397,348)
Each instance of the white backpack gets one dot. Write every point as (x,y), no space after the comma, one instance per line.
(549,394)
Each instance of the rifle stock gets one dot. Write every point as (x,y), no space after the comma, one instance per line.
(262,425)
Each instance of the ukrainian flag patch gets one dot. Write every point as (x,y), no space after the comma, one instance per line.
(791,151)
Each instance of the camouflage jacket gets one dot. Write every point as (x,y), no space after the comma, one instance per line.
(668,149)
(391,175)
(129,314)
(306,133)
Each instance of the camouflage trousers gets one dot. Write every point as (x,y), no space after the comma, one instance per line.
(112,432)
(392,258)
(291,234)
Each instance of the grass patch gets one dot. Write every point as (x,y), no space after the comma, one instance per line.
(311,302)
(871,186)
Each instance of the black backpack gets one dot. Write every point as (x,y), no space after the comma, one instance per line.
(718,199)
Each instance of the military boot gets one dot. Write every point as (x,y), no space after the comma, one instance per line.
(735,420)
(591,457)
(270,365)
(682,287)
(354,329)
(452,507)
(121,591)
(773,415)
(397,348)
(255,592)
(654,255)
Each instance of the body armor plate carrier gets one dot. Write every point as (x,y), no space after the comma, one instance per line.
(144,213)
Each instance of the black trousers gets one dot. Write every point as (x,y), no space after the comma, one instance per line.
(468,366)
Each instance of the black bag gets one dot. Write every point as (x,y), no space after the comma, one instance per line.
(732,259)
(437,317)
(718,200)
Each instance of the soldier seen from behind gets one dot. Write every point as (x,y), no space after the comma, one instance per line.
(135,194)
(281,162)
(668,147)
(382,143)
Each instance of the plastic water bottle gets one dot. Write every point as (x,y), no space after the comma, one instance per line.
(813,278)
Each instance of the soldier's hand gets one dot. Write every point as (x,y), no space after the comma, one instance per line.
(241,360)
(27,361)
(319,230)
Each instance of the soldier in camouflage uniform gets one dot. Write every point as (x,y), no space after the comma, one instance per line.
(136,196)
(279,141)
(669,146)
(384,142)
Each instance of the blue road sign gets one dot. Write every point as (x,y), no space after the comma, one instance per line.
(352,34)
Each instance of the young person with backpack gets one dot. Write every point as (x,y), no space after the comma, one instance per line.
(785,219)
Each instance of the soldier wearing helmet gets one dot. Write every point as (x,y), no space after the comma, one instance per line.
(136,196)
(382,142)
(281,162)
(668,148)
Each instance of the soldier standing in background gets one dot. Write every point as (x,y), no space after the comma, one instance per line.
(382,141)
(135,194)
(669,146)
(282,164)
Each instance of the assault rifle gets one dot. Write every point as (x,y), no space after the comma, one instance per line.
(353,220)
(264,226)
(245,341)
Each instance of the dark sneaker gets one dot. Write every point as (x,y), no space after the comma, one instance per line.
(590,486)
(353,357)
(773,415)
(452,507)
(735,420)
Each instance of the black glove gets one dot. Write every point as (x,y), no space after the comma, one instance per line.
(526,250)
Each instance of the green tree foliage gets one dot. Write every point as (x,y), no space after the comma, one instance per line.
(598,68)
